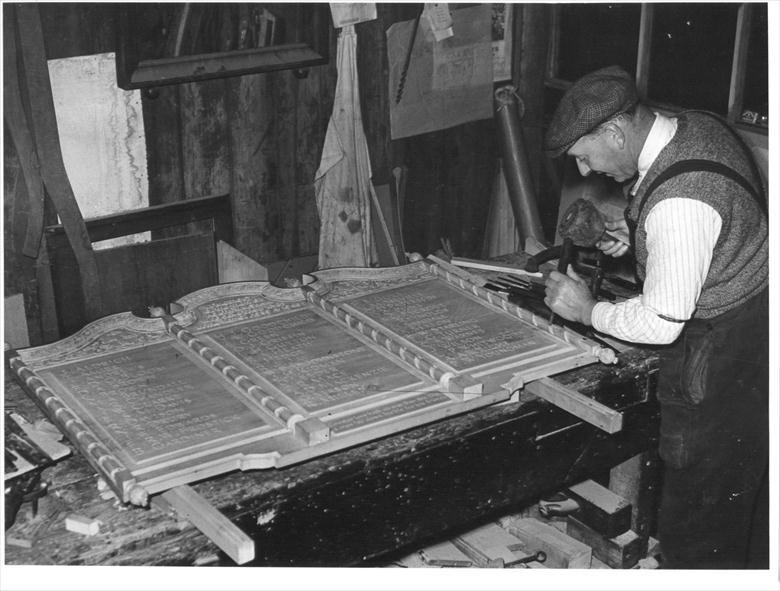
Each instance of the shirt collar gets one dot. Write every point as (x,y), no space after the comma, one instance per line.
(661,133)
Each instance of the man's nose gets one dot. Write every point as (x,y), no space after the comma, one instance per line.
(584,169)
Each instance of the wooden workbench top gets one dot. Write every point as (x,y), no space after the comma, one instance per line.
(360,503)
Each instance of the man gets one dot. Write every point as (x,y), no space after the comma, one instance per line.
(698,230)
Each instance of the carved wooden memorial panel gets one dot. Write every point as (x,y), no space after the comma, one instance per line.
(251,376)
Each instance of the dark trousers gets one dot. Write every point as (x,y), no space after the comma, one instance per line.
(713,390)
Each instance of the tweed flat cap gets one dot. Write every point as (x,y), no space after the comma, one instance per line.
(589,102)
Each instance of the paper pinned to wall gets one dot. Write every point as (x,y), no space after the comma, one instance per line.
(351,13)
(448,83)
(502,42)
(440,19)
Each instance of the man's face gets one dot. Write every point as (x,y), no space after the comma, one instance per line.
(604,154)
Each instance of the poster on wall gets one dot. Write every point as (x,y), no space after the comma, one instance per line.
(447,82)
(501,33)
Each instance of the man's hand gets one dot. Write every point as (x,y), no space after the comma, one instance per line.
(569,297)
(617,244)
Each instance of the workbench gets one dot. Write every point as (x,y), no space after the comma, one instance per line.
(363,505)
(362,502)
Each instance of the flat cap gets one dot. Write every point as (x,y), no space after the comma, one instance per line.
(589,102)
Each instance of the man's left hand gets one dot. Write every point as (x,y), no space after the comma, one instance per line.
(569,297)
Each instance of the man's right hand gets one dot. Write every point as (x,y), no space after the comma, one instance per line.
(617,243)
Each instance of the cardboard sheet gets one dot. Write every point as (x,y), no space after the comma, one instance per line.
(449,82)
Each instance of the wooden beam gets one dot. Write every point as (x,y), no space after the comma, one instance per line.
(152,218)
(43,125)
(622,551)
(213,524)
(643,50)
(739,63)
(578,404)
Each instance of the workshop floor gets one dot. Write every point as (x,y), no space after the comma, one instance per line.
(495,545)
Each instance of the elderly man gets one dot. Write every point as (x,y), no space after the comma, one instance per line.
(696,223)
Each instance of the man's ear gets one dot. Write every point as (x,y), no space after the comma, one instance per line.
(617,135)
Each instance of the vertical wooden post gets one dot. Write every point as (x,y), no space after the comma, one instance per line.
(637,480)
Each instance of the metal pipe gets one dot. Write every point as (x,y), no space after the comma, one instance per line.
(517,172)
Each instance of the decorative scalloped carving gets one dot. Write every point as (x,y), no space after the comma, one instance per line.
(112,333)
(347,283)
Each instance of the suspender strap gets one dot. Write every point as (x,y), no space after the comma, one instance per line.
(692,165)
(695,165)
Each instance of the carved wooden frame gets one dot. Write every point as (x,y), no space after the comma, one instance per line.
(212,351)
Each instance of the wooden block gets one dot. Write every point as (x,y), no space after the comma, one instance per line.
(602,510)
(465,387)
(581,406)
(444,554)
(491,546)
(215,526)
(19,542)
(234,265)
(82,525)
(312,431)
(15,322)
(562,550)
(622,551)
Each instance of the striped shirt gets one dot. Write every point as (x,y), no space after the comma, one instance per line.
(681,236)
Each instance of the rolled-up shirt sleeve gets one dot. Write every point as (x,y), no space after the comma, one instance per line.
(681,236)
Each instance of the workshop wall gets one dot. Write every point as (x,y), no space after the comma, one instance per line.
(259,138)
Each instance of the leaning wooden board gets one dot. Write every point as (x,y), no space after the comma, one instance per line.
(252,376)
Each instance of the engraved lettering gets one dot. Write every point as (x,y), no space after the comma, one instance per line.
(312,360)
(455,328)
(155,400)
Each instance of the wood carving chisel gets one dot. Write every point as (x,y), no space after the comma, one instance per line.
(563,263)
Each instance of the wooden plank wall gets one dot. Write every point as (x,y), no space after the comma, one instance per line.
(259,138)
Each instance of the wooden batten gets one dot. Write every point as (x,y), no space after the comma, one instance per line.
(214,525)
(578,404)
(562,551)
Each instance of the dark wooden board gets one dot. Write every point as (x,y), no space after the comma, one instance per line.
(133,277)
